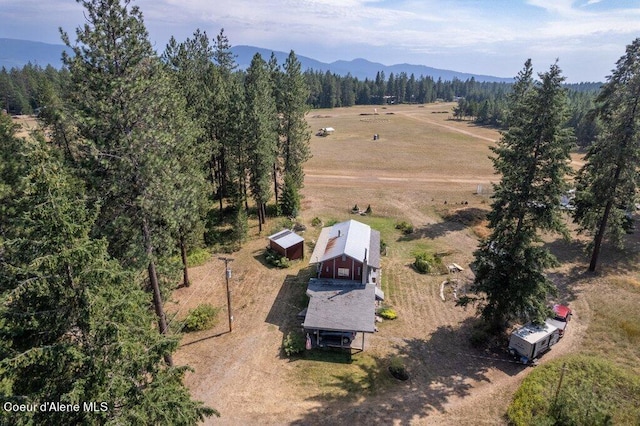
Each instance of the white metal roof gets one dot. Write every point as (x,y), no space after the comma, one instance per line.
(351,238)
(286,238)
(533,333)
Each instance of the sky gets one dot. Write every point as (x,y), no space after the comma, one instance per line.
(491,37)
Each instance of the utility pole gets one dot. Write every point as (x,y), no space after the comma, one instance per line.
(555,399)
(227,274)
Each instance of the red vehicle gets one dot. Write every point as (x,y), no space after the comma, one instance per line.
(562,316)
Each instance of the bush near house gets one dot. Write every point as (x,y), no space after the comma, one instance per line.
(293,343)
(201,318)
(387,313)
(398,369)
(276,259)
(198,257)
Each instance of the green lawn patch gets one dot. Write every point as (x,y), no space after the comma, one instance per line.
(339,375)
(594,391)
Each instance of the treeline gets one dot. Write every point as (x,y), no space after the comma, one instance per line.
(144,157)
(327,90)
(489,107)
(482,102)
(22,90)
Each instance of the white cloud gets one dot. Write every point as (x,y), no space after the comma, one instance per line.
(382,30)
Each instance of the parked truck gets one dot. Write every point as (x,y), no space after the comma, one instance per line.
(529,342)
(562,316)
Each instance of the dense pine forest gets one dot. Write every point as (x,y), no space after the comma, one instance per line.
(484,103)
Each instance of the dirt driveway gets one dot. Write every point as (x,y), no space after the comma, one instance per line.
(243,373)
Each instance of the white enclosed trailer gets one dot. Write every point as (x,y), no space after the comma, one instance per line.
(531,341)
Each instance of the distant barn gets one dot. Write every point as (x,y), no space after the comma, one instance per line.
(288,244)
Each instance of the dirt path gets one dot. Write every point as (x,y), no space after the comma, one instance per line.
(314,177)
(473,134)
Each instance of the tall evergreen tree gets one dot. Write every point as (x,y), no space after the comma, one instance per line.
(74,325)
(192,68)
(607,184)
(532,158)
(290,201)
(276,78)
(294,130)
(261,122)
(222,121)
(11,168)
(133,130)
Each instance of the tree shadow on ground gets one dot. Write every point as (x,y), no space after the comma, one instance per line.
(612,260)
(442,367)
(453,221)
(567,251)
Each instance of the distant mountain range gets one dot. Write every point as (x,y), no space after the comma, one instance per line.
(17,53)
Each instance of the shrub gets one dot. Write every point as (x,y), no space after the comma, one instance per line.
(198,257)
(355,209)
(405,227)
(479,337)
(276,259)
(201,318)
(293,343)
(424,262)
(383,247)
(316,221)
(387,313)
(368,210)
(398,369)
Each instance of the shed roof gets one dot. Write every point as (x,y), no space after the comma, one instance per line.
(286,238)
(351,238)
(340,305)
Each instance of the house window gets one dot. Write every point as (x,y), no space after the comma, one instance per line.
(343,272)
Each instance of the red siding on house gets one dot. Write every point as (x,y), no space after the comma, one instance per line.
(330,268)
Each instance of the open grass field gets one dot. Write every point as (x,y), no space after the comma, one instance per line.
(424,169)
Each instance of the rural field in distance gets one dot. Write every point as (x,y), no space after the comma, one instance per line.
(424,169)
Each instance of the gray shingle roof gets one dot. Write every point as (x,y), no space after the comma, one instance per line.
(339,305)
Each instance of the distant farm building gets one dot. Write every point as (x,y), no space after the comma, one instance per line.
(343,296)
(288,244)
